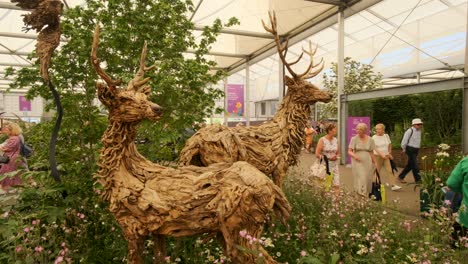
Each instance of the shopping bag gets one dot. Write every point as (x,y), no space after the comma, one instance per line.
(378,189)
(318,169)
(328,182)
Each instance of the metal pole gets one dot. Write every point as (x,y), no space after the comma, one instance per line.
(247,95)
(226,101)
(280,82)
(465,96)
(341,118)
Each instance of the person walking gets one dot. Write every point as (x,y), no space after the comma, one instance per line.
(309,132)
(410,144)
(360,150)
(328,146)
(383,154)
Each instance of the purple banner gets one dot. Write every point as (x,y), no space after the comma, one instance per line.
(235,100)
(24,104)
(351,129)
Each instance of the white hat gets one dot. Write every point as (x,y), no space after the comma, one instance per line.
(416,121)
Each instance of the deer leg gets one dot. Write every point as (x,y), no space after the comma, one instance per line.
(135,249)
(278,174)
(159,248)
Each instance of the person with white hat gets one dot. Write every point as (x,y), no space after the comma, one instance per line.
(410,144)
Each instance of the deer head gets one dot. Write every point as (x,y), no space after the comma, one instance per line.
(300,90)
(130,104)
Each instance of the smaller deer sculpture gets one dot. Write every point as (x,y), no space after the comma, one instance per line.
(149,199)
(273,146)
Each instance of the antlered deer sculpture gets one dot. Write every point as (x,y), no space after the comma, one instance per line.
(273,146)
(147,198)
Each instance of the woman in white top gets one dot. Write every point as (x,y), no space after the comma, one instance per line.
(383,153)
(328,146)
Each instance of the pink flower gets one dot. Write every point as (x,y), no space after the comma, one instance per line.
(58,260)
(447,202)
(243,233)
(34,222)
(39,249)
(18,248)
(63,244)
(26,229)
(303,253)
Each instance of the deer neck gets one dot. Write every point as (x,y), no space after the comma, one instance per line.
(118,149)
(292,119)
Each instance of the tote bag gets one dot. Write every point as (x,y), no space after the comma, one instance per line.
(378,189)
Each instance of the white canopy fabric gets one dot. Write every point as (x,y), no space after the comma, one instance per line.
(428,35)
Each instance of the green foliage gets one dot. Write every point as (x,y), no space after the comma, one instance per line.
(434,178)
(74,223)
(181,85)
(358,77)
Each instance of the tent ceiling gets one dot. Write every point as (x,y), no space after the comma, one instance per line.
(428,30)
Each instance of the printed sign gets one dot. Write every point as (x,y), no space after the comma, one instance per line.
(351,129)
(235,94)
(24,104)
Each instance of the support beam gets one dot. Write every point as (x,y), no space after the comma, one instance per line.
(221,54)
(311,27)
(465,96)
(328,2)
(23,36)
(18,35)
(341,114)
(429,87)
(196,9)
(247,96)
(239,32)
(10,6)
(19,53)
(281,87)
(225,101)
(13,64)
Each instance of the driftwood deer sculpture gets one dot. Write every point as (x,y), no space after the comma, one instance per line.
(273,146)
(149,199)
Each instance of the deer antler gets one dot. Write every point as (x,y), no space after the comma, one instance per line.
(282,50)
(309,73)
(137,81)
(95,61)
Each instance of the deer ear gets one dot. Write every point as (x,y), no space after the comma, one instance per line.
(106,94)
(289,81)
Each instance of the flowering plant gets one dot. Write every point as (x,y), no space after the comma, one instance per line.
(434,179)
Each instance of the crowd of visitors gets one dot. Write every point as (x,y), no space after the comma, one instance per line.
(370,155)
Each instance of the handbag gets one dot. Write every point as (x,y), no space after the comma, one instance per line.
(25,150)
(378,189)
(318,169)
(4,159)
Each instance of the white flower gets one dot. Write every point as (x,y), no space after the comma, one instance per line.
(444,146)
(442,154)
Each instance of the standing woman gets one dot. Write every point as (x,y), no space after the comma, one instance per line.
(360,150)
(309,132)
(383,154)
(328,146)
(11,148)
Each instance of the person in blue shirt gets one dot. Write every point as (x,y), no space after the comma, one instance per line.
(410,144)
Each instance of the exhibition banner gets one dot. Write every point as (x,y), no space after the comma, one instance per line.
(24,104)
(235,94)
